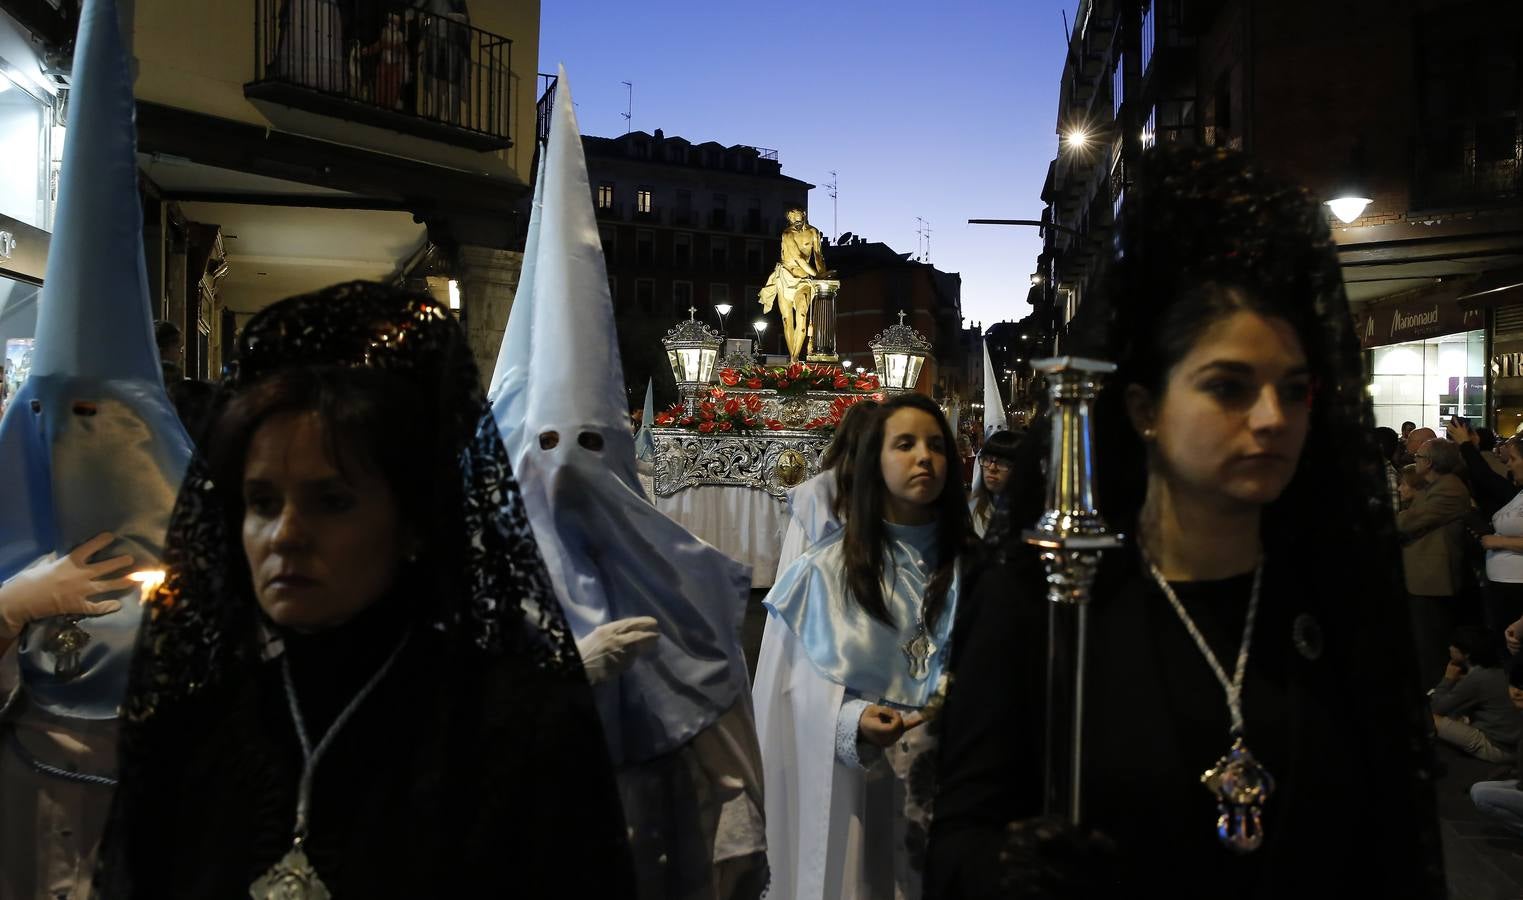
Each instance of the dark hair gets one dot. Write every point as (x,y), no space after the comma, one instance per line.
(1206,234)
(841,455)
(370,417)
(1411,478)
(865,535)
(1001,445)
(1388,440)
(1477,644)
(1408,426)
(1488,439)
(166,334)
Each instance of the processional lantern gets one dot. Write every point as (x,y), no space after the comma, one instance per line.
(692,349)
(899,352)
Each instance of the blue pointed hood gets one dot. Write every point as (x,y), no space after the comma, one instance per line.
(90,442)
(645,441)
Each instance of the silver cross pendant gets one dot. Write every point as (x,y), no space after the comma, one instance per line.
(919,651)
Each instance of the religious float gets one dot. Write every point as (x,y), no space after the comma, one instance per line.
(744,434)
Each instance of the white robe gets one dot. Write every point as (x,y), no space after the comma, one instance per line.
(836,830)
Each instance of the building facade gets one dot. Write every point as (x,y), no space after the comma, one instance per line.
(1413,105)
(287,145)
(686,226)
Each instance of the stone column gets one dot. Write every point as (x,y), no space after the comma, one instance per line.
(488,280)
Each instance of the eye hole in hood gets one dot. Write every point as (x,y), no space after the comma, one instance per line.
(590,440)
(84,408)
(549,440)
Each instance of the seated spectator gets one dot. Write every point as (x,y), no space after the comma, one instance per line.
(1433,554)
(1503,800)
(1472,710)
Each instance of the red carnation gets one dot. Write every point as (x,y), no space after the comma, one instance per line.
(706,427)
(754,403)
(750,422)
(686,420)
(724,426)
(782,383)
(864,385)
(774,425)
(729,376)
(717,393)
(732,406)
(753,383)
(795,370)
(840,382)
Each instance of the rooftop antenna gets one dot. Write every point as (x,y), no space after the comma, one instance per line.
(923,239)
(835,214)
(629,113)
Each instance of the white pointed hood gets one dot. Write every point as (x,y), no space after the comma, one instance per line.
(610,553)
(994,403)
(508,389)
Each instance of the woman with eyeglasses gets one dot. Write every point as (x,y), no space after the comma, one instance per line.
(994,465)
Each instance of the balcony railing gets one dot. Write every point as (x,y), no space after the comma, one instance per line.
(404,69)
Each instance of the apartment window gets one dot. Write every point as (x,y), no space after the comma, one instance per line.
(1148,22)
(642,200)
(1118,85)
(682,250)
(605,195)
(682,295)
(719,258)
(645,247)
(719,217)
(684,200)
(749,293)
(753,256)
(645,295)
(719,293)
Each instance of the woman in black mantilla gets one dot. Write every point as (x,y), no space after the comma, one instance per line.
(374,687)
(1233,451)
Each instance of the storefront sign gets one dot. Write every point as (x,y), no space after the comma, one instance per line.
(1380,324)
(1507,365)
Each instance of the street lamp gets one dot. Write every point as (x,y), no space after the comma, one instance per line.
(724,310)
(899,352)
(760,326)
(1351,195)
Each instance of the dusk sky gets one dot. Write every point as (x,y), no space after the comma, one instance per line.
(944,111)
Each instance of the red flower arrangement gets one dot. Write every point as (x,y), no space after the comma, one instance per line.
(797,379)
(720,413)
(838,408)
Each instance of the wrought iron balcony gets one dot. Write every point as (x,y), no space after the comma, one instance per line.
(408,70)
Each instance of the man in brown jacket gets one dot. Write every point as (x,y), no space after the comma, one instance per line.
(1433,555)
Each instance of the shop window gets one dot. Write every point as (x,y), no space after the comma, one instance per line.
(25,130)
(1428,381)
(18,328)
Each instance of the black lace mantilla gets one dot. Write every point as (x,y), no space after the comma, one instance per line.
(198,628)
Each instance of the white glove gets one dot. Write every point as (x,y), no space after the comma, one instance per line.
(613,647)
(62,587)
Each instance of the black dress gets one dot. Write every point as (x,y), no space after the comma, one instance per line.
(1350,815)
(494,790)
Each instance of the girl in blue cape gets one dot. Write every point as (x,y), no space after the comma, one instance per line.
(855,640)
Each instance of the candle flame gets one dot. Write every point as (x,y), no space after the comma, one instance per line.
(148,581)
